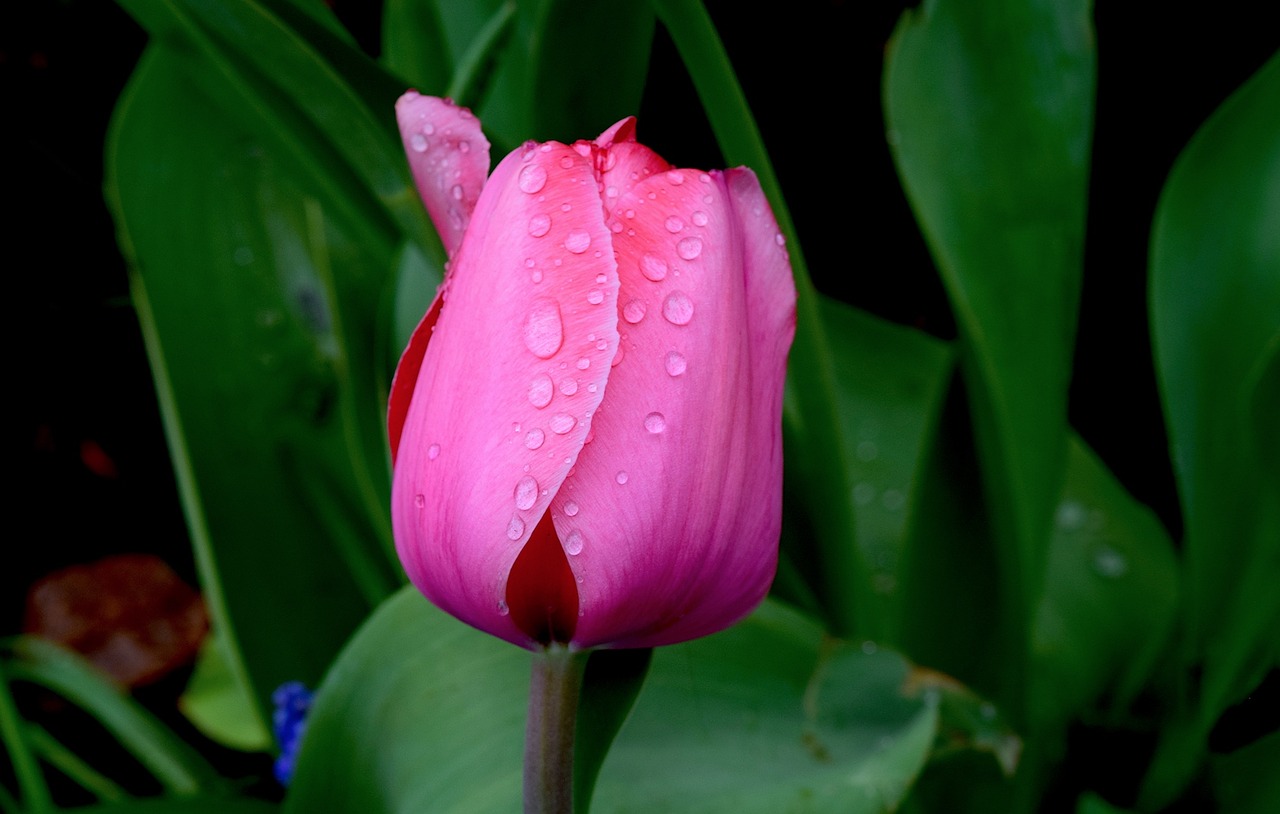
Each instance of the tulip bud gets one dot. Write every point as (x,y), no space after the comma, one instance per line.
(588,449)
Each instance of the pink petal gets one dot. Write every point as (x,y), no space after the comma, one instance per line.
(622,162)
(508,385)
(673,514)
(449,156)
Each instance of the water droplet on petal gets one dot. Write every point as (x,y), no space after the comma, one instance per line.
(456,192)
(433,452)
(568,386)
(573,543)
(675,363)
(503,610)
(689,248)
(429,128)
(566,162)
(653,267)
(583,363)
(674,224)
(543,330)
(532,178)
(539,225)
(655,423)
(526,493)
(699,218)
(634,311)
(515,528)
(534,438)
(571,509)
(541,389)
(464,146)
(578,241)
(595,297)
(418,143)
(677,308)
(780,239)
(420,501)
(536,276)
(621,478)
(562,423)
(675,177)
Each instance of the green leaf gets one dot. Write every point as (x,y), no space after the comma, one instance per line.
(989,107)
(219,706)
(423,712)
(1246,780)
(1110,600)
(184,805)
(891,383)
(414,45)
(1093,804)
(232,278)
(613,680)
(589,62)
(178,767)
(1215,316)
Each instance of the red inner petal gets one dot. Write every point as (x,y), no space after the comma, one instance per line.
(406,377)
(541,590)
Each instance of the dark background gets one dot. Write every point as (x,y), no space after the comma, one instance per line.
(88,465)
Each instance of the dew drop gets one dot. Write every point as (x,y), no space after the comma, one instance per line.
(864,493)
(418,143)
(541,389)
(602,344)
(420,501)
(543,330)
(534,438)
(699,218)
(655,423)
(464,146)
(583,363)
(562,423)
(1110,563)
(532,178)
(674,224)
(539,225)
(536,276)
(689,248)
(677,308)
(566,162)
(456,192)
(571,509)
(621,478)
(578,241)
(526,493)
(676,364)
(634,311)
(568,386)
(503,610)
(573,543)
(429,128)
(515,528)
(780,239)
(675,177)
(433,452)
(653,267)
(595,297)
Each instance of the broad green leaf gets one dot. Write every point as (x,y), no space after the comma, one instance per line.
(1110,596)
(588,61)
(1093,804)
(414,45)
(1215,314)
(179,767)
(989,107)
(233,260)
(891,383)
(423,713)
(1246,780)
(219,706)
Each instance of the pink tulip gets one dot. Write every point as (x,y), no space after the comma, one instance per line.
(588,449)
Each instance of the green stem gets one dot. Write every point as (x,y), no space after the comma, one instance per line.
(71,765)
(31,782)
(555,684)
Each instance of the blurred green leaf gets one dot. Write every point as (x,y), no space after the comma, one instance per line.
(423,712)
(891,383)
(1110,598)
(178,766)
(1001,200)
(474,71)
(1093,804)
(1215,314)
(219,706)
(414,45)
(232,262)
(184,805)
(1246,780)
(589,62)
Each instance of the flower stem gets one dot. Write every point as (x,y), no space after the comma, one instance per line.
(554,686)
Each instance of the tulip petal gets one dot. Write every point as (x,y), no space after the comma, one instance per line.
(622,162)
(406,376)
(672,516)
(449,157)
(508,385)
